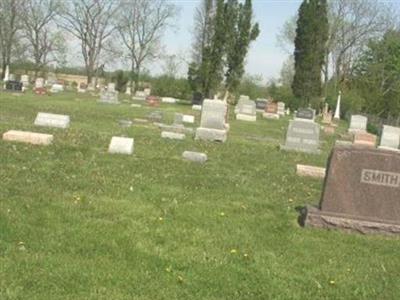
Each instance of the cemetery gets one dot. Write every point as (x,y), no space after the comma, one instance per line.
(128,171)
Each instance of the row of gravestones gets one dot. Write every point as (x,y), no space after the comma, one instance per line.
(362,187)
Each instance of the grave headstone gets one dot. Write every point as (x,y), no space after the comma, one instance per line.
(281,108)
(109,97)
(195,156)
(121,145)
(140,96)
(196,107)
(261,104)
(52,120)
(390,138)
(11,77)
(111,87)
(302,136)
(28,137)
(271,111)
(14,86)
(305,114)
(25,80)
(246,110)
(358,123)
(82,87)
(125,123)
(153,101)
(39,83)
(56,88)
(197,98)
(188,119)
(172,135)
(156,116)
(361,192)
(168,100)
(147,92)
(128,91)
(212,123)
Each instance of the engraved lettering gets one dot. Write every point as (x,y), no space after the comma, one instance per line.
(382,178)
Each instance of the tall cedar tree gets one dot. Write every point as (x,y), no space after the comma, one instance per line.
(310,44)
(242,32)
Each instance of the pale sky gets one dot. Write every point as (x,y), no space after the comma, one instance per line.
(264,58)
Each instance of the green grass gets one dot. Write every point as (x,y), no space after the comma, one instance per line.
(152,226)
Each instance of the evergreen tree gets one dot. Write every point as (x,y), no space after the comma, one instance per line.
(310,45)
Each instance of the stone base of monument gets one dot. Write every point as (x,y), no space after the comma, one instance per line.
(364,139)
(270,116)
(388,148)
(314,217)
(208,134)
(248,118)
(28,137)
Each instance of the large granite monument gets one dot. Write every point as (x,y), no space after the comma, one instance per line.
(361,192)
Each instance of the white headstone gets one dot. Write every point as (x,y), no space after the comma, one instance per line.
(212,123)
(121,145)
(358,123)
(188,119)
(168,100)
(196,107)
(147,92)
(39,83)
(128,91)
(195,156)
(56,88)
(111,87)
(281,108)
(390,138)
(25,80)
(52,120)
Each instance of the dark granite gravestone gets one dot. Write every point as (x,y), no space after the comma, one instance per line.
(14,86)
(361,192)
(261,104)
(305,113)
(197,98)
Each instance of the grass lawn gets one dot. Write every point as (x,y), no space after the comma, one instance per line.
(79,223)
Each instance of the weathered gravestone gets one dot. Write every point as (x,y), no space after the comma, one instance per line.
(39,83)
(195,156)
(121,145)
(390,138)
(261,104)
(128,91)
(109,96)
(305,114)
(188,119)
(271,111)
(139,96)
(168,100)
(172,135)
(361,192)
(303,136)
(28,137)
(56,88)
(25,80)
(358,124)
(281,109)
(246,110)
(155,116)
(196,107)
(14,86)
(52,120)
(212,123)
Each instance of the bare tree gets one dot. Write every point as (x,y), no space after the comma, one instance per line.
(39,30)
(352,25)
(9,25)
(141,24)
(91,23)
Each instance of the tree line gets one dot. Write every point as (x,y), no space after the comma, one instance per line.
(37,31)
(340,45)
